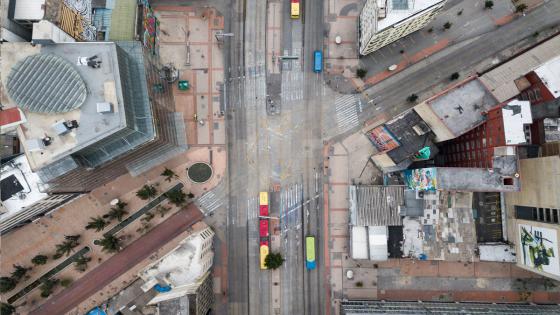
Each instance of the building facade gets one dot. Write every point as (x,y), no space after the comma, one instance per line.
(23,195)
(111,121)
(184,270)
(533,223)
(385,21)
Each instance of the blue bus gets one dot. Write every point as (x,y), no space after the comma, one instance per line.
(318,61)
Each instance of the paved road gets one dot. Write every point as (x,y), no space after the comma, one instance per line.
(431,75)
(118,264)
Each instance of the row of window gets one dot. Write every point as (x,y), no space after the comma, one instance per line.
(549,215)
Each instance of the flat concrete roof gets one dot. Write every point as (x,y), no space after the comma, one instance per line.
(549,73)
(461,108)
(103,85)
(395,14)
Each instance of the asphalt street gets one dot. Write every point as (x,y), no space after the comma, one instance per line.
(284,150)
(431,75)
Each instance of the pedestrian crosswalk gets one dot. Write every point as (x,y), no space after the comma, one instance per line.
(290,206)
(213,199)
(292,85)
(252,208)
(346,107)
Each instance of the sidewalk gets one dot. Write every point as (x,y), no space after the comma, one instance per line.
(188,41)
(343,60)
(120,263)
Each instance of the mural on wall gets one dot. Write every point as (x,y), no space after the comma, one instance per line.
(539,248)
(421,179)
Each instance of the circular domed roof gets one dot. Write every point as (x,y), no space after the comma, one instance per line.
(46,83)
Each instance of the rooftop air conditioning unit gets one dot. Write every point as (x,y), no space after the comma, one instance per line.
(104,108)
(421,128)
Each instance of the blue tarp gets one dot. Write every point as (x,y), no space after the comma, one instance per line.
(96,311)
(160,288)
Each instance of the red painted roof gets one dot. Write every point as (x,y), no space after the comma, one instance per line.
(9,116)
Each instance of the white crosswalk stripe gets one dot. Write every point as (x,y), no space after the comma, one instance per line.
(213,199)
(346,112)
(252,208)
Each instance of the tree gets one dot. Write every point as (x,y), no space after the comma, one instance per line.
(116,213)
(48,286)
(66,282)
(361,73)
(190,195)
(162,210)
(97,224)
(454,76)
(110,244)
(412,98)
(7,284)
(447,25)
(148,216)
(6,309)
(147,192)
(65,248)
(520,8)
(488,4)
(72,239)
(19,272)
(169,174)
(176,197)
(273,260)
(81,263)
(39,260)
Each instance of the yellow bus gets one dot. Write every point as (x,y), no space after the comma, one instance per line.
(295,9)
(263,196)
(310,252)
(264,253)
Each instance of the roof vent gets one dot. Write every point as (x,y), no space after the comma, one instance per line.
(34,145)
(421,128)
(60,128)
(104,108)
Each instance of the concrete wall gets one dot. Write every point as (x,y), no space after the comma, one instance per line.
(540,187)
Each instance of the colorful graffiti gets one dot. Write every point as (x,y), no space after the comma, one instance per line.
(538,248)
(151,29)
(421,179)
(383,139)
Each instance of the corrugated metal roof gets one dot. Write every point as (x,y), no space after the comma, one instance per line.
(375,205)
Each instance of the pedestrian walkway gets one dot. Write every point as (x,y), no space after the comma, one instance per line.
(118,264)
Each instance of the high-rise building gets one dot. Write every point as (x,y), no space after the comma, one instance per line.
(385,21)
(183,271)
(533,215)
(94,111)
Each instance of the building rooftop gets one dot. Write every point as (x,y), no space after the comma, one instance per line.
(182,266)
(400,10)
(549,73)
(401,138)
(462,108)
(502,80)
(515,115)
(20,187)
(115,117)
(376,205)
(103,85)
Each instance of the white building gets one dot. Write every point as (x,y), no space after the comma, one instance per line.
(182,270)
(385,21)
(23,196)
